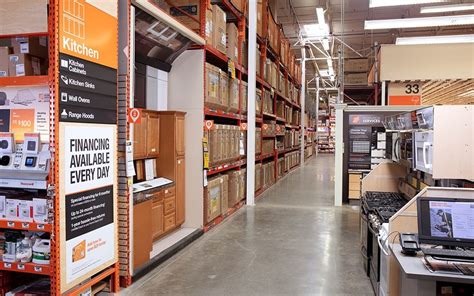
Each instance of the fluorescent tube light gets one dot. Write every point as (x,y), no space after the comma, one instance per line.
(436,21)
(329,61)
(435,39)
(324,73)
(316,30)
(325,42)
(447,8)
(331,78)
(382,3)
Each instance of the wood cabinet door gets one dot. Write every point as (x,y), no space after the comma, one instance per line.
(180,136)
(180,190)
(153,135)
(139,138)
(157,216)
(142,240)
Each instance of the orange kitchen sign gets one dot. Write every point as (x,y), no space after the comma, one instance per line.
(88,30)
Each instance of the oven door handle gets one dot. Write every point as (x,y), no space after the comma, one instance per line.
(386,252)
(426,145)
(396,149)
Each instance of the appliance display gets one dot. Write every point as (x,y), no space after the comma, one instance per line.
(446,221)
(424,151)
(425,118)
(406,147)
(359,151)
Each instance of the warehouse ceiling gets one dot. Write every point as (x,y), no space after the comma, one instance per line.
(346,23)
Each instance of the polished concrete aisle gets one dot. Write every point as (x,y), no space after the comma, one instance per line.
(294,242)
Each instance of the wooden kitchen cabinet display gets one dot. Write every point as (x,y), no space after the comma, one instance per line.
(146,135)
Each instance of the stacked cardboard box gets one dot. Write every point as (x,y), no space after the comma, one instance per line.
(355,71)
(258,176)
(212,98)
(224,143)
(267,102)
(296,117)
(234,85)
(232,42)
(280,111)
(209,29)
(219,29)
(24,56)
(258,140)
(222,92)
(269,128)
(268,170)
(292,159)
(244,87)
(236,187)
(258,102)
(281,167)
(213,196)
(355,79)
(268,146)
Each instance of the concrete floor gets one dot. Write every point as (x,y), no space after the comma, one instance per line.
(294,242)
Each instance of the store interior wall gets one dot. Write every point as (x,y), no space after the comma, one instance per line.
(156,89)
(186,93)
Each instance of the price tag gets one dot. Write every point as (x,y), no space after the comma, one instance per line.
(20,266)
(243,126)
(40,226)
(231,68)
(25,225)
(10,224)
(38,269)
(7,265)
(208,124)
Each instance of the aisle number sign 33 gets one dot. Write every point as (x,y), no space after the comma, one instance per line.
(405,93)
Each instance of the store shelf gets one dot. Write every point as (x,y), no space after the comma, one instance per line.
(269,136)
(291,149)
(264,156)
(222,114)
(30,226)
(269,115)
(264,83)
(24,80)
(227,6)
(259,119)
(221,217)
(31,268)
(292,126)
(225,167)
(280,119)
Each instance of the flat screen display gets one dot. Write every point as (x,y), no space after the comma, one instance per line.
(446,221)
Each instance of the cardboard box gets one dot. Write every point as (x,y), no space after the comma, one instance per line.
(25,210)
(232,42)
(209,28)
(356,79)
(258,176)
(238,4)
(234,188)
(35,46)
(24,65)
(4,60)
(212,99)
(354,194)
(192,8)
(225,194)
(219,28)
(224,90)
(40,210)
(11,209)
(233,95)
(260,18)
(243,90)
(356,65)
(213,198)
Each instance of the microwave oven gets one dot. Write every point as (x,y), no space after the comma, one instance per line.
(406,148)
(424,151)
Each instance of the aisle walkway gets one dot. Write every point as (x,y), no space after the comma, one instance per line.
(294,242)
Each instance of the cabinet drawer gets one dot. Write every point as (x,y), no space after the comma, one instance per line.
(170,221)
(169,191)
(170,205)
(157,196)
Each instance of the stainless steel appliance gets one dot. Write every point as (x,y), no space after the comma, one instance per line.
(406,147)
(392,146)
(424,151)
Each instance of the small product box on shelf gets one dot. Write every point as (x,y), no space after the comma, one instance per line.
(219,28)
(35,46)
(25,210)
(22,64)
(4,60)
(232,42)
(11,207)
(40,210)
(209,27)
(213,195)
(3,206)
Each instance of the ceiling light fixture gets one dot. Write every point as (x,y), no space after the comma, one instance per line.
(320,14)
(325,42)
(435,39)
(447,8)
(437,21)
(316,30)
(382,3)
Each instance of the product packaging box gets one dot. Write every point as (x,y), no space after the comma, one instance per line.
(3,206)
(225,194)
(212,86)
(209,28)
(40,210)
(219,28)
(192,8)
(243,90)
(24,65)
(35,46)
(258,176)
(25,210)
(232,42)
(213,197)
(11,208)
(224,90)
(234,188)
(260,18)
(233,95)
(4,60)
(239,4)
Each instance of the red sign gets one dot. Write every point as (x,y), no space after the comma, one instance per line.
(134,115)
(208,124)
(243,126)
(404,100)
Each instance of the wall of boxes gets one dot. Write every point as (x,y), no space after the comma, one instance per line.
(277,105)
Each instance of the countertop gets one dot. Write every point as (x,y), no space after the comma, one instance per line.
(145,195)
(414,268)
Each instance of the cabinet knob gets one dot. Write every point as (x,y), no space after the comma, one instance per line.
(179,161)
(166,191)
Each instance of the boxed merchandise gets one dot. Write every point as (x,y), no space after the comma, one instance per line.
(35,46)
(356,65)
(257,61)
(25,210)
(225,193)
(258,176)
(11,208)
(209,28)
(356,79)
(40,210)
(219,28)
(245,56)
(243,184)
(258,140)
(192,8)
(232,42)
(224,89)
(233,95)
(4,61)
(212,99)
(260,18)
(268,146)
(235,180)
(243,90)
(239,4)
(213,194)
(267,102)
(258,101)
(24,65)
